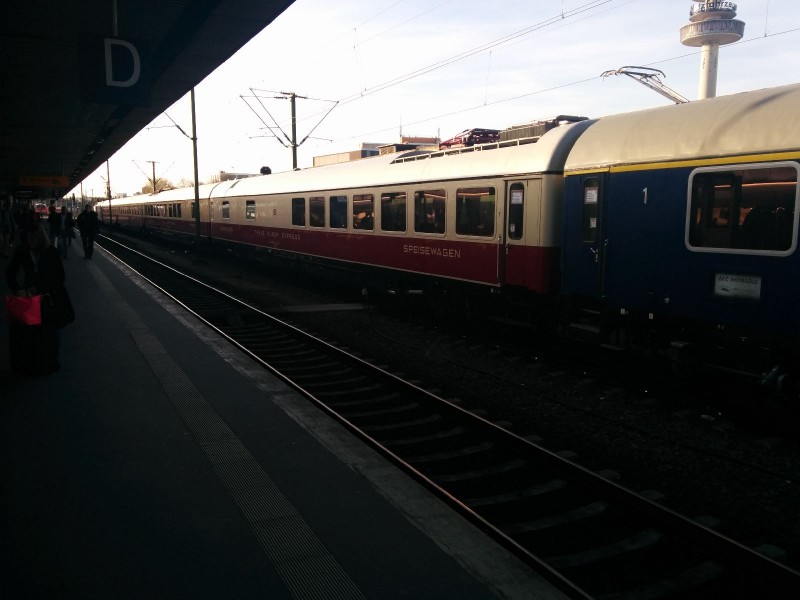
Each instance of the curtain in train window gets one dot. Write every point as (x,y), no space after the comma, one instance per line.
(393,211)
(364,212)
(299,211)
(429,211)
(338,212)
(475,209)
(226,209)
(316,211)
(745,209)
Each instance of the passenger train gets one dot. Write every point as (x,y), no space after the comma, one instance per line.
(673,229)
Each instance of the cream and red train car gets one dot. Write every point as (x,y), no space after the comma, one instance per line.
(487,217)
(671,228)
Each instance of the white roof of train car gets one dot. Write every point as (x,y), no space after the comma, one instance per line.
(758,122)
(546,155)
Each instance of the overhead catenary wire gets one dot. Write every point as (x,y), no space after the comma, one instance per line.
(563,18)
(557,19)
(549,89)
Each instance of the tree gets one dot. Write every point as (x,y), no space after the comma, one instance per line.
(161,185)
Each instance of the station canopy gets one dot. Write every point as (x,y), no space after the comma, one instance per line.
(79,79)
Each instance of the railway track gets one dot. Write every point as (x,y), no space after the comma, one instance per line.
(590,536)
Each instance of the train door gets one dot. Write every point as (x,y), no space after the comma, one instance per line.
(585,244)
(523,199)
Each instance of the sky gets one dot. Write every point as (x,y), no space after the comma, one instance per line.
(369,71)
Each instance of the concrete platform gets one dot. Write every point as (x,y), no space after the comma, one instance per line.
(161,462)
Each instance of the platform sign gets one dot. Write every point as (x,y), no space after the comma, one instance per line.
(113,70)
(44,181)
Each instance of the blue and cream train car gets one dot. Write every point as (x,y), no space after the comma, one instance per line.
(680,229)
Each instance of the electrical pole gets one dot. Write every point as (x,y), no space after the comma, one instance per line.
(293,99)
(196,183)
(293,141)
(153,163)
(108,191)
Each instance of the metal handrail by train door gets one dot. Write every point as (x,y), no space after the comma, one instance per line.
(602,267)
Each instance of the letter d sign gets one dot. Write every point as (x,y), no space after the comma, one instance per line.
(109,44)
(113,71)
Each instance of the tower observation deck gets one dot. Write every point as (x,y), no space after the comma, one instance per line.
(712,24)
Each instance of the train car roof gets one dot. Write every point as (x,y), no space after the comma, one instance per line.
(757,122)
(172,195)
(545,155)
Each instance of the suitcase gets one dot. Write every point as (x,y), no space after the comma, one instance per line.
(33,349)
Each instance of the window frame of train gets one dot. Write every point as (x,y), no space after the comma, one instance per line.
(337,211)
(299,212)
(430,211)
(364,212)
(394,211)
(590,213)
(475,211)
(516,211)
(226,209)
(316,211)
(726,203)
(250,210)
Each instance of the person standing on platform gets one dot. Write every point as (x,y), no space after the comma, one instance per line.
(65,231)
(53,222)
(34,348)
(6,230)
(89,227)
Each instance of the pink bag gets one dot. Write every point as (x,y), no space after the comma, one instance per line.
(25,309)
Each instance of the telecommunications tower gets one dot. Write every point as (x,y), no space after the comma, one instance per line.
(712,25)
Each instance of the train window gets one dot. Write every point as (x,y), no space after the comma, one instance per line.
(178,211)
(299,211)
(475,211)
(429,211)
(194,210)
(226,209)
(170,210)
(516,211)
(316,211)
(393,211)
(591,194)
(364,212)
(747,208)
(338,212)
(250,209)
